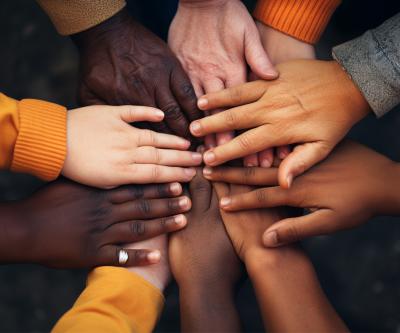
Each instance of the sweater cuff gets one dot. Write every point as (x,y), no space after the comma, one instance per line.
(41,145)
(73,16)
(305,20)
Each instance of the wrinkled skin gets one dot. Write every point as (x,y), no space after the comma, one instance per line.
(312,104)
(124,63)
(351,186)
(66,225)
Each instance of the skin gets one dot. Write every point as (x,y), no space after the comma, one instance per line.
(66,225)
(280,48)
(205,265)
(124,63)
(284,280)
(215,41)
(105,151)
(353,185)
(312,104)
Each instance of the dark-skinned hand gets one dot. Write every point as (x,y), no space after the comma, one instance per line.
(124,63)
(66,225)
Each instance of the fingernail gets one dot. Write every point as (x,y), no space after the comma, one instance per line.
(207,171)
(183,202)
(195,127)
(159,114)
(179,219)
(190,172)
(202,102)
(209,157)
(197,157)
(289,180)
(270,239)
(250,164)
(154,256)
(266,163)
(175,188)
(225,202)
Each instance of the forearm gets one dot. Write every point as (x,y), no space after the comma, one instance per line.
(289,294)
(208,309)
(372,60)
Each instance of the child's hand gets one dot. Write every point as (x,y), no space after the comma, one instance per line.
(351,186)
(105,151)
(66,225)
(312,104)
(202,253)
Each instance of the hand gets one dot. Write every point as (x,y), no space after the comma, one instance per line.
(312,104)
(351,186)
(203,253)
(124,63)
(215,41)
(281,48)
(104,151)
(205,266)
(66,225)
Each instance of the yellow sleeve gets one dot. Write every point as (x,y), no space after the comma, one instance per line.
(33,137)
(305,20)
(73,16)
(115,300)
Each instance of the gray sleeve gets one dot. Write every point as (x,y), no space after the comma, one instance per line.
(373,62)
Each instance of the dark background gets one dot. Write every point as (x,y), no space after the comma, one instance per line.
(358,269)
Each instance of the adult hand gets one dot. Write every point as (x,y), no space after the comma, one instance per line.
(351,186)
(281,48)
(104,151)
(124,63)
(312,104)
(215,41)
(205,265)
(66,225)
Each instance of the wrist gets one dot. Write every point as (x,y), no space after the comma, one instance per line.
(15,239)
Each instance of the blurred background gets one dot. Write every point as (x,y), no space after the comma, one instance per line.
(358,269)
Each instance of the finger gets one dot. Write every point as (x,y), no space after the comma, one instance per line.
(134,192)
(244,176)
(250,160)
(210,141)
(109,256)
(239,95)
(283,152)
(139,230)
(302,158)
(150,209)
(257,58)
(153,173)
(290,230)
(174,116)
(266,157)
(228,120)
(200,191)
(185,94)
(247,143)
(263,197)
(131,113)
(161,140)
(151,155)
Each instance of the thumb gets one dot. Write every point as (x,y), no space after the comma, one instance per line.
(257,58)
(130,113)
(302,158)
(294,229)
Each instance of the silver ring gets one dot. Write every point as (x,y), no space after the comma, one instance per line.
(122,257)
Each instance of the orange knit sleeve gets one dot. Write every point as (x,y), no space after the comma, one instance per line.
(305,20)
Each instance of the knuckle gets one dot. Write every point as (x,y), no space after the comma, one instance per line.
(144,207)
(136,192)
(261,196)
(138,228)
(292,233)
(155,173)
(187,90)
(235,94)
(249,173)
(244,141)
(230,118)
(163,190)
(173,113)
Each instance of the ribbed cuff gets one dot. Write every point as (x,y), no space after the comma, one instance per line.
(73,16)
(41,144)
(305,20)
